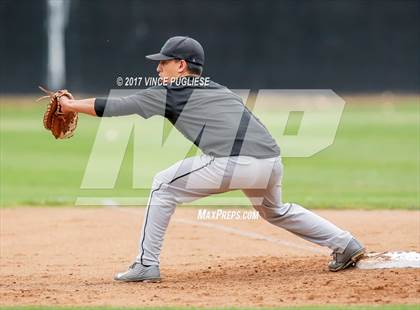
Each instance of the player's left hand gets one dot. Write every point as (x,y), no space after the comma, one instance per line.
(58,118)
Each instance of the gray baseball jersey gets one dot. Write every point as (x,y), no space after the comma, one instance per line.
(212,117)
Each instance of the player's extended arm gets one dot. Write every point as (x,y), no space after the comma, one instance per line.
(145,103)
(86,106)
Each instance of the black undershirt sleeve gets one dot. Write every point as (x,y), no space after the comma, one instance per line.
(99,106)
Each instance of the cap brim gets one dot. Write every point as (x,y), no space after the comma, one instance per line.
(158,57)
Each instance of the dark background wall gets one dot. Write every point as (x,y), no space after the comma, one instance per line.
(347,46)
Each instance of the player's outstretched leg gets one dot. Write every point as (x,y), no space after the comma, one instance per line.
(310,226)
(306,224)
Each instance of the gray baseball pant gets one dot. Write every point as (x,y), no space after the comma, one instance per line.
(259,179)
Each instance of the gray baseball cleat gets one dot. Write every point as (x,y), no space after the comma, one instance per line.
(353,252)
(139,273)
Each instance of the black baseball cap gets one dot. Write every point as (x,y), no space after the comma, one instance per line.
(180,47)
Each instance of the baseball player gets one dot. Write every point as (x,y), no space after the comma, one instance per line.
(238,154)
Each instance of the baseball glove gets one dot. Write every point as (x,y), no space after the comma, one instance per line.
(62,125)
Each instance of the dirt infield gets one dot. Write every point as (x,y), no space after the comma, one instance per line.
(67,256)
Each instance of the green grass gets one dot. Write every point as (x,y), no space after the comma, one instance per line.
(373,163)
(388,307)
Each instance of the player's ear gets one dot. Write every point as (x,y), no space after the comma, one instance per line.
(159,66)
(182,66)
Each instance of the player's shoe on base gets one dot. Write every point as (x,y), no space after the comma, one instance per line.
(139,273)
(353,252)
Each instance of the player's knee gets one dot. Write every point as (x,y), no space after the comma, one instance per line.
(159,180)
(156,184)
(162,195)
(166,191)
